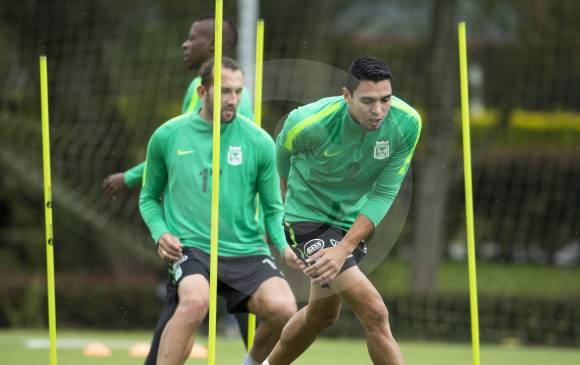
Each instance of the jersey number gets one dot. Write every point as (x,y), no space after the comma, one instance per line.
(204,176)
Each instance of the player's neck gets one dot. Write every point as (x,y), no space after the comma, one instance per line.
(353,118)
(363,130)
(206,115)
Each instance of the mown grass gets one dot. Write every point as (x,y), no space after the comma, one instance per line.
(323,352)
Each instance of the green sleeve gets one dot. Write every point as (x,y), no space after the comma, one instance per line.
(270,196)
(246,108)
(384,192)
(282,159)
(134,175)
(154,181)
(191,98)
(291,140)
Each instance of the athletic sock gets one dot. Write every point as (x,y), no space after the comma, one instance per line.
(248,360)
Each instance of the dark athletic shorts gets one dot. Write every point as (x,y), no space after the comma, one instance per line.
(238,277)
(307,238)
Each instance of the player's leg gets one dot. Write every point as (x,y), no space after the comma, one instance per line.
(242,319)
(192,277)
(274,303)
(168,308)
(254,284)
(366,302)
(177,338)
(322,310)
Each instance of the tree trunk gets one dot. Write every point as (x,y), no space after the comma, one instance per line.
(436,147)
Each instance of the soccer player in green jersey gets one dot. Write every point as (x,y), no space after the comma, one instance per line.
(342,161)
(197,48)
(175,203)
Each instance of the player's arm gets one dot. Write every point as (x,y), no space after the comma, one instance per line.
(134,175)
(283,187)
(116,182)
(150,205)
(271,200)
(292,140)
(325,264)
(284,152)
(154,181)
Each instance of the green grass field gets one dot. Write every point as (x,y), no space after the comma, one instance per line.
(493,279)
(14,349)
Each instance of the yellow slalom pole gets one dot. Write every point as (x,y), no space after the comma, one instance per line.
(468,192)
(215,179)
(259,71)
(258,117)
(48,208)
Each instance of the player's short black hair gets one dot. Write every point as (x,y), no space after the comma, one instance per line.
(206,70)
(227,20)
(366,68)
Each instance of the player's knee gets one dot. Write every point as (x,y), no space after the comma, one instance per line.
(376,317)
(322,319)
(192,310)
(280,313)
(287,311)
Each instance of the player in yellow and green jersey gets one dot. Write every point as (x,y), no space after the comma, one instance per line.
(342,161)
(197,49)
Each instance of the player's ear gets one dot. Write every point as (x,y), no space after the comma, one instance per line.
(201,92)
(346,95)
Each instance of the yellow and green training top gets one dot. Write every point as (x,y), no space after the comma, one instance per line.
(336,169)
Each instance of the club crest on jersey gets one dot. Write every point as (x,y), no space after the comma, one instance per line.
(235,155)
(381,150)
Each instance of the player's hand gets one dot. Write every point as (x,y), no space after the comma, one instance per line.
(113,184)
(326,264)
(169,247)
(291,259)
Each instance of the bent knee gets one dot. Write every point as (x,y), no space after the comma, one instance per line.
(280,313)
(192,309)
(322,319)
(375,316)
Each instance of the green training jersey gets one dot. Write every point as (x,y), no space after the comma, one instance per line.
(191,102)
(336,169)
(178,168)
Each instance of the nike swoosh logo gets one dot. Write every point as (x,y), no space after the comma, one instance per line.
(181,152)
(331,154)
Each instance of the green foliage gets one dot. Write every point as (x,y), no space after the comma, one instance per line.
(81,300)
(22,302)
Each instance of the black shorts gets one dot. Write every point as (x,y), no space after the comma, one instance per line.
(238,277)
(307,238)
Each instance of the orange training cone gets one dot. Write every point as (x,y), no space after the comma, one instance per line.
(97,349)
(140,349)
(198,351)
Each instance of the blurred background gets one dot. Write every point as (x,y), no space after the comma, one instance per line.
(116,72)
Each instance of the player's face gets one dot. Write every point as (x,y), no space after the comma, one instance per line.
(232,86)
(198,47)
(370,103)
